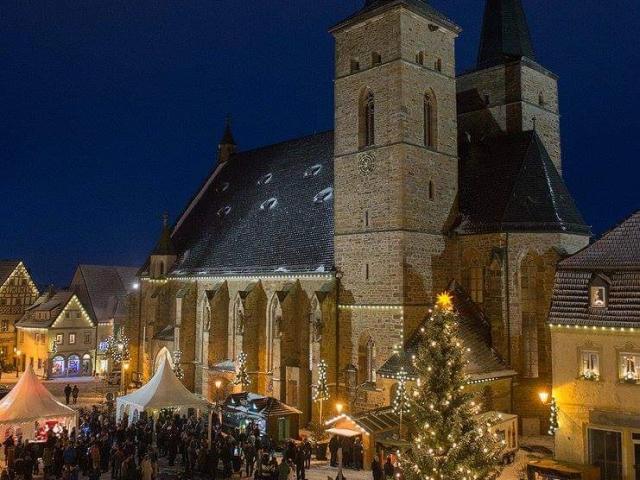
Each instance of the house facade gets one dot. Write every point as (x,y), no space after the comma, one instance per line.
(17,293)
(595,333)
(58,336)
(334,246)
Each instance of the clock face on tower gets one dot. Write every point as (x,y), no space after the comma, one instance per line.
(367,163)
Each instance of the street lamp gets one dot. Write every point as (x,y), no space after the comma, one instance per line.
(544,397)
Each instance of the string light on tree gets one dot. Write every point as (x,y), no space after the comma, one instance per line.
(177,365)
(401,398)
(242,376)
(553,418)
(450,442)
(322,386)
(117,347)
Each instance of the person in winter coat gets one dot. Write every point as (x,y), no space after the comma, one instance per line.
(146,469)
(74,393)
(283,470)
(67,393)
(376,469)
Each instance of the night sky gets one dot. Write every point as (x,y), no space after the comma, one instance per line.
(111,111)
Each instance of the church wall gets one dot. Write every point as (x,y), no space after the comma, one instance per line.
(506,316)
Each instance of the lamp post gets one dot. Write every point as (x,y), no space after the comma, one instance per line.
(18,354)
(125,367)
(550,401)
(218,384)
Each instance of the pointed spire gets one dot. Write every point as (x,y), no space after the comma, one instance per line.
(227,145)
(505,34)
(165,244)
(227,137)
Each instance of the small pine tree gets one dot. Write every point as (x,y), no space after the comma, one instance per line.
(553,418)
(242,376)
(449,442)
(322,386)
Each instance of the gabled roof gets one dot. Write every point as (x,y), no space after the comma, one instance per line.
(505,34)
(51,302)
(473,330)
(7,267)
(617,249)
(374,7)
(508,183)
(268,210)
(103,290)
(615,258)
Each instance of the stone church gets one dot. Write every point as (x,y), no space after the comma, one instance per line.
(333,246)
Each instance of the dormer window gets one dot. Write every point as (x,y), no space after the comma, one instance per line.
(599,292)
(269,204)
(312,171)
(324,195)
(224,211)
(263,180)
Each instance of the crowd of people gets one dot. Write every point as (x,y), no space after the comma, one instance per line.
(100,446)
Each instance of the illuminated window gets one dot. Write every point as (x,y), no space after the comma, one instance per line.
(4,326)
(598,296)
(630,367)
(72,338)
(87,338)
(59,338)
(590,369)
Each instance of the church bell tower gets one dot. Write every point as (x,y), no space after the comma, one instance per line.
(396,173)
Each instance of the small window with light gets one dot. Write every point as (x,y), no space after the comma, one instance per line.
(598,297)
(599,292)
(630,367)
(590,368)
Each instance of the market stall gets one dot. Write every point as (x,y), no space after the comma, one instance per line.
(29,410)
(273,417)
(163,391)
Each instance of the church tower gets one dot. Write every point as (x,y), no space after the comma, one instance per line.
(508,90)
(395,174)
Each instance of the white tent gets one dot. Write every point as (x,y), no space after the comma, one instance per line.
(29,402)
(164,390)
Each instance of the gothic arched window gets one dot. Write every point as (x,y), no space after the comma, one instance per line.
(429,120)
(367,119)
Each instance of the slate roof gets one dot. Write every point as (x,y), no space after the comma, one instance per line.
(508,183)
(103,290)
(268,210)
(165,244)
(52,302)
(474,332)
(373,7)
(617,249)
(259,404)
(616,259)
(6,269)
(505,34)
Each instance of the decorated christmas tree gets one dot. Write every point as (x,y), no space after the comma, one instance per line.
(322,387)
(242,376)
(449,441)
